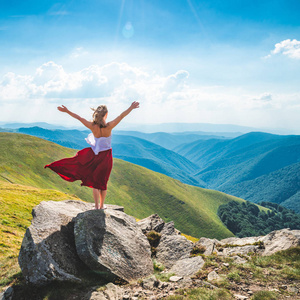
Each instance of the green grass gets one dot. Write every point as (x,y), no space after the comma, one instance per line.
(16,203)
(264,295)
(142,192)
(201,293)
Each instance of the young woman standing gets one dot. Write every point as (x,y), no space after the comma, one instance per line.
(92,165)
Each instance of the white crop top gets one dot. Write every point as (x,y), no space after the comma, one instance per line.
(99,144)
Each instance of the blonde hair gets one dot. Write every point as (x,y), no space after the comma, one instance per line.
(99,114)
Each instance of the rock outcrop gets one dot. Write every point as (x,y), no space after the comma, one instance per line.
(265,245)
(67,238)
(110,243)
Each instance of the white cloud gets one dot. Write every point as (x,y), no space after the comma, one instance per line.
(265,97)
(290,48)
(168,98)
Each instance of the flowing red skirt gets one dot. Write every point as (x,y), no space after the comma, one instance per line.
(93,170)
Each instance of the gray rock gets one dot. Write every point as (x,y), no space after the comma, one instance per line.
(48,249)
(150,283)
(209,244)
(280,240)
(111,292)
(7,294)
(243,250)
(292,290)
(171,248)
(153,222)
(213,276)
(111,243)
(169,229)
(241,241)
(187,266)
(238,260)
(241,297)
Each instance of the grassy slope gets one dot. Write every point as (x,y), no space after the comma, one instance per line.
(141,191)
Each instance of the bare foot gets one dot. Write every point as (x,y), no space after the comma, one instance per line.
(104,207)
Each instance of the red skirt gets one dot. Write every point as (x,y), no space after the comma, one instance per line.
(93,170)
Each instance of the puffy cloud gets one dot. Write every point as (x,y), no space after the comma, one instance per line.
(265,97)
(288,47)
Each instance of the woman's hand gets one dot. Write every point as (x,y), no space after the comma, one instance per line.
(134,105)
(62,108)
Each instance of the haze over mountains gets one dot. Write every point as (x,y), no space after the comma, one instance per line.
(228,130)
(255,166)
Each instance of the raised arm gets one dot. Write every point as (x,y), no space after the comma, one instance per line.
(82,120)
(118,119)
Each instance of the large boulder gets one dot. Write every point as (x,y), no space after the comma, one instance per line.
(48,249)
(171,248)
(111,243)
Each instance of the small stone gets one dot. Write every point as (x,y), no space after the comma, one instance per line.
(164,285)
(241,297)
(136,294)
(250,292)
(126,297)
(150,282)
(148,293)
(176,287)
(213,276)
(292,290)
(226,264)
(239,260)
(274,290)
(175,278)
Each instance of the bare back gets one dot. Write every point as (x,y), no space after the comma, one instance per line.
(101,132)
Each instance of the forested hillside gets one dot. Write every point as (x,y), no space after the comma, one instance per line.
(246,219)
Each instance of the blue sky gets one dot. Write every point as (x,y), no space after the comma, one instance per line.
(186,61)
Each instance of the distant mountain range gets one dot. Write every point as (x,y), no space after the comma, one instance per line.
(226,130)
(255,166)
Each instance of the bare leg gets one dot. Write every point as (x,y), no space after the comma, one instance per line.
(102,198)
(96,194)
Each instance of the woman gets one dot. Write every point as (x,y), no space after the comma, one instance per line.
(92,165)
